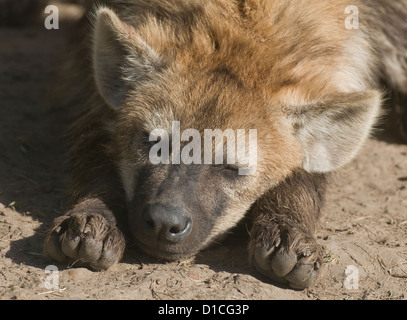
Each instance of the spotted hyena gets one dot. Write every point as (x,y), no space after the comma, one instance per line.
(307,76)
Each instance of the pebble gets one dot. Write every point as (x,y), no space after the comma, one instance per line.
(193,276)
(79,273)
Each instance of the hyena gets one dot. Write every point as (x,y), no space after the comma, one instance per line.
(294,71)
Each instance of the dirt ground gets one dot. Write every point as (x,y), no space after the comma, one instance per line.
(364,224)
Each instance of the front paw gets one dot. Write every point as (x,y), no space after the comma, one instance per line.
(87,238)
(290,257)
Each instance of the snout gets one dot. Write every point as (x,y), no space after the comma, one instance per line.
(165,223)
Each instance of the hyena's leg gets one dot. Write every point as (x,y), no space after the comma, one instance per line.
(86,235)
(282,243)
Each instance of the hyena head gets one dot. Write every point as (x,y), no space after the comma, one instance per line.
(162,77)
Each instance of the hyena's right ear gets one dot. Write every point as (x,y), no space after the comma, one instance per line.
(121,58)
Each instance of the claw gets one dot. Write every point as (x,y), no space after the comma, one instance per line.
(307,252)
(278,242)
(87,231)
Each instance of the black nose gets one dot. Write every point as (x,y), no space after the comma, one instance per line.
(168,223)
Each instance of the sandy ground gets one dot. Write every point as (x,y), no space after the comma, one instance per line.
(364,229)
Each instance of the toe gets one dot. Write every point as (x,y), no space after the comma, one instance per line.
(304,274)
(263,265)
(90,249)
(70,244)
(113,248)
(283,262)
(262,257)
(52,247)
(52,242)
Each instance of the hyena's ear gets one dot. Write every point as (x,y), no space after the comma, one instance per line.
(121,58)
(332,131)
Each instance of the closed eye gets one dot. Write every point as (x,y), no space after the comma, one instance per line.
(146,141)
(227,168)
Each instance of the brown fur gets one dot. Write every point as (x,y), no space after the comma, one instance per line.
(292,71)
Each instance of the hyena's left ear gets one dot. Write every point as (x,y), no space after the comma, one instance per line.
(332,131)
(121,58)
